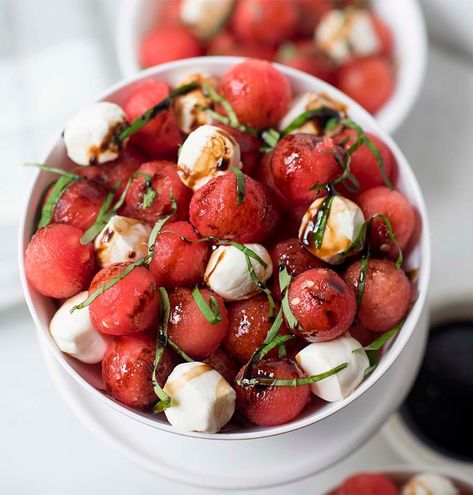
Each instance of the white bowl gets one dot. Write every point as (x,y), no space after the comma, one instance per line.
(402,474)
(404,17)
(42,308)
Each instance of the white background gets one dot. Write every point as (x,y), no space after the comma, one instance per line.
(54,56)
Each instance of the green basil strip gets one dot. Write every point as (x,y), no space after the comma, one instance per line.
(380,341)
(54,170)
(62,184)
(284,282)
(110,283)
(364,139)
(217,98)
(261,286)
(210,311)
(179,351)
(271,138)
(246,250)
(161,342)
(295,382)
(362,279)
(371,350)
(103,217)
(241,185)
(392,236)
(309,115)
(134,126)
(321,220)
(267,344)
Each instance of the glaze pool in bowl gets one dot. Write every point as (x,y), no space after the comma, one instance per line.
(43,308)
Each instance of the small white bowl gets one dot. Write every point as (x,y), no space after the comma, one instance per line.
(402,474)
(137,17)
(42,308)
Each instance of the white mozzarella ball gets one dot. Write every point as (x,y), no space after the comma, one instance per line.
(344,222)
(201,399)
(312,101)
(74,333)
(122,239)
(206,153)
(320,357)
(205,17)
(342,34)
(227,272)
(189,108)
(89,136)
(429,484)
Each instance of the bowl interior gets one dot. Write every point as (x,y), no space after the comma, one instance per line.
(43,308)
(138,17)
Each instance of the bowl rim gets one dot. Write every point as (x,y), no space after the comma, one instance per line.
(390,116)
(388,359)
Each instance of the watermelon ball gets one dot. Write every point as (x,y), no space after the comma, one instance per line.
(301,160)
(386,294)
(129,306)
(167,43)
(367,484)
(177,262)
(398,211)
(245,86)
(79,204)
(322,303)
(214,210)
(189,329)
(272,406)
(385,36)
(162,135)
(56,263)
(369,81)
(224,364)
(249,324)
(264,174)
(164,179)
(363,164)
(265,21)
(127,368)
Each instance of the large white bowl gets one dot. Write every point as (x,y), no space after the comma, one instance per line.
(404,17)
(42,308)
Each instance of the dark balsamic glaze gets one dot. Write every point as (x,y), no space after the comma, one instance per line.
(439,408)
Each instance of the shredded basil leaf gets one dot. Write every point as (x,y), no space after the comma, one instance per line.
(380,341)
(362,138)
(210,311)
(110,283)
(134,126)
(62,184)
(284,282)
(294,382)
(321,220)
(54,170)
(241,185)
(160,224)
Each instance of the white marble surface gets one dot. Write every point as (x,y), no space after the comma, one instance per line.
(55,55)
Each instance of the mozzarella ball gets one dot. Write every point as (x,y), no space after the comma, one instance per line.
(342,34)
(344,222)
(74,333)
(227,272)
(429,484)
(313,101)
(89,136)
(201,399)
(206,153)
(122,239)
(205,17)
(188,108)
(323,356)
